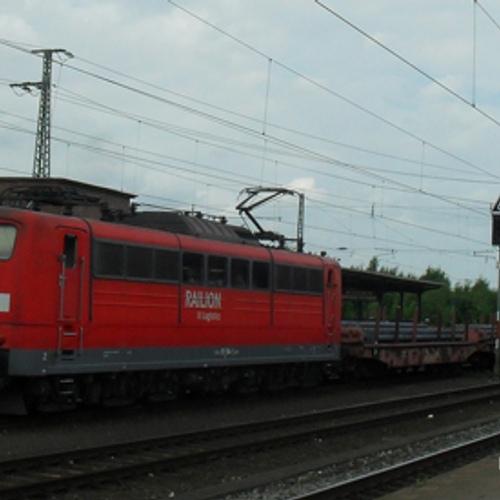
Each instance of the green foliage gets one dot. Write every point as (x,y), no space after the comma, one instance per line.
(473,302)
(437,304)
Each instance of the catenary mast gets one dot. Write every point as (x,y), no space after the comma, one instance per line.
(41,160)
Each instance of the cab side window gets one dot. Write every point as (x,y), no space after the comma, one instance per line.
(70,250)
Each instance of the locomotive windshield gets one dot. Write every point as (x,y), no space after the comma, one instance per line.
(7,240)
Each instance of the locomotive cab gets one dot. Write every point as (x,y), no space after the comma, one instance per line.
(42,307)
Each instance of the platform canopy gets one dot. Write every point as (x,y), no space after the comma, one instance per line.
(365,285)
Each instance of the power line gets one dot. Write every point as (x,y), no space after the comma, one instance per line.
(209,138)
(144,120)
(281,127)
(363,169)
(278,127)
(336,94)
(159,165)
(311,155)
(276,140)
(191,133)
(488,15)
(408,63)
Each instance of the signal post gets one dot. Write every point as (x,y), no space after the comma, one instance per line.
(495,240)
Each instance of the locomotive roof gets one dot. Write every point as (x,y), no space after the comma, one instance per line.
(191,225)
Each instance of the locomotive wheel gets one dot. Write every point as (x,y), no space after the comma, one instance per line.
(173,386)
(249,381)
(307,375)
(166,388)
(279,377)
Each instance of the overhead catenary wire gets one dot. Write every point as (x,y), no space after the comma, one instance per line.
(157,166)
(115,82)
(398,56)
(334,93)
(328,160)
(287,144)
(191,133)
(486,12)
(256,133)
(134,158)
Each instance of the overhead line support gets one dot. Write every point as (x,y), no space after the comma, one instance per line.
(41,160)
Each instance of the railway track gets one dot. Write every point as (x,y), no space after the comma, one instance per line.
(22,478)
(374,484)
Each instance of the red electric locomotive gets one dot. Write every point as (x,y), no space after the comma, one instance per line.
(98,312)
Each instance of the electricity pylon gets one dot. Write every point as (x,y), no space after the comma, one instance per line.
(41,161)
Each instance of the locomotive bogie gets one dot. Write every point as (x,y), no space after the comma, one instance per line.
(55,393)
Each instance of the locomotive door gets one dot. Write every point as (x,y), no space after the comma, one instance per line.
(331,302)
(71,291)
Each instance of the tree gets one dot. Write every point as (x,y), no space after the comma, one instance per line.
(474,303)
(485,300)
(436,304)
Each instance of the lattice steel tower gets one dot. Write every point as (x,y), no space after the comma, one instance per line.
(41,161)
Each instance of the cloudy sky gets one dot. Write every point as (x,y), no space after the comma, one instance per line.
(386,114)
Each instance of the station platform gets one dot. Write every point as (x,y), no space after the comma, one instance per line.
(477,481)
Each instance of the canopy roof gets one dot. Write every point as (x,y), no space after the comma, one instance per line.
(365,284)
